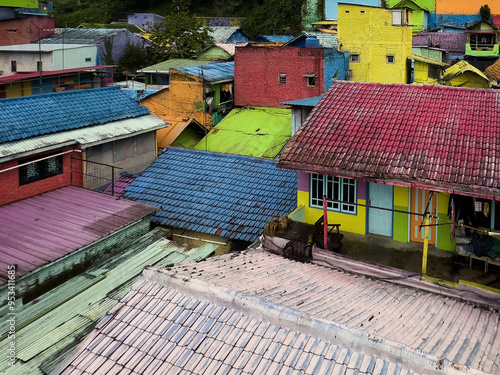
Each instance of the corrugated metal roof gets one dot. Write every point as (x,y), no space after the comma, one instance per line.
(258,132)
(35,47)
(162,327)
(165,66)
(221,34)
(212,73)
(52,325)
(433,136)
(86,136)
(60,222)
(81,36)
(428,323)
(460,68)
(230,196)
(451,42)
(307,102)
(35,115)
(274,38)
(427,60)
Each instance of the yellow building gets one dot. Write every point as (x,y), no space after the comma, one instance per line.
(378,40)
(463,74)
(426,70)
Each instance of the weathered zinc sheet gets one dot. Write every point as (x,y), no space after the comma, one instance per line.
(48,328)
(258,132)
(44,228)
(428,323)
(436,137)
(213,72)
(230,196)
(197,328)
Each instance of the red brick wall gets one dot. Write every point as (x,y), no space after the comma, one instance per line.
(11,191)
(27,30)
(256,71)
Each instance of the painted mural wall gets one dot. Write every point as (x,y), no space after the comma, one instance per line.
(384,59)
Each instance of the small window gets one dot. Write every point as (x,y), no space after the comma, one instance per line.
(347,11)
(13,66)
(390,59)
(88,59)
(282,78)
(38,66)
(39,170)
(362,12)
(397,17)
(12,31)
(354,58)
(311,81)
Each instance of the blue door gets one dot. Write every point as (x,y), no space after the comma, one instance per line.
(380,221)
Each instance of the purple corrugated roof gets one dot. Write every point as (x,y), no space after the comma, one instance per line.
(451,42)
(59,222)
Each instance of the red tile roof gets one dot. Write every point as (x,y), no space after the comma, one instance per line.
(444,138)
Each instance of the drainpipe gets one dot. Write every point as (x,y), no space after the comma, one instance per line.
(426,244)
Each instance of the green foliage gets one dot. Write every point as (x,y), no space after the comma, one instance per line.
(135,58)
(485,12)
(71,13)
(181,35)
(275,17)
(108,54)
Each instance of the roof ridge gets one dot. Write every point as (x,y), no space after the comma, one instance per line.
(296,320)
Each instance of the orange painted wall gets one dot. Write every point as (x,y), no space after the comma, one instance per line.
(183,99)
(465,6)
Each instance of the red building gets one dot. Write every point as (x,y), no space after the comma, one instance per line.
(46,171)
(25,30)
(268,75)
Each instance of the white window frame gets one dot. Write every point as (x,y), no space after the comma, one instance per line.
(282,78)
(336,188)
(387,57)
(354,57)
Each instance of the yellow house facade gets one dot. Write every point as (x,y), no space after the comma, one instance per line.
(379,42)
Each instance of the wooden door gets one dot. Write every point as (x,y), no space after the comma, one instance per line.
(380,221)
(419,199)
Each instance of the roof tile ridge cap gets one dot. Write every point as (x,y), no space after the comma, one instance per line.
(293,319)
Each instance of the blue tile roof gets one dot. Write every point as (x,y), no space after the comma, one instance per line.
(35,115)
(231,196)
(215,72)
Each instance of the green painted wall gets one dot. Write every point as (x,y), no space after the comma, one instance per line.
(443,231)
(400,222)
(19,3)
(428,53)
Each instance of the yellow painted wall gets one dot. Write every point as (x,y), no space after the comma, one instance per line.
(18,89)
(368,31)
(349,223)
(421,74)
(465,6)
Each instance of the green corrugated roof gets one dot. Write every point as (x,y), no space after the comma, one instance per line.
(165,66)
(259,132)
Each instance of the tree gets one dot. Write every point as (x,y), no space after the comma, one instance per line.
(134,58)
(181,35)
(485,12)
(276,17)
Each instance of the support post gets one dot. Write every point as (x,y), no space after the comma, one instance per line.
(426,244)
(325,224)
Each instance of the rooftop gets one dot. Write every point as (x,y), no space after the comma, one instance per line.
(81,36)
(451,42)
(36,115)
(60,222)
(212,73)
(230,196)
(258,132)
(165,66)
(408,135)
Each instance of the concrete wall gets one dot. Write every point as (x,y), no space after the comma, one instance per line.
(133,154)
(257,69)
(11,191)
(336,65)
(429,53)
(118,44)
(331,11)
(437,20)
(69,58)
(369,33)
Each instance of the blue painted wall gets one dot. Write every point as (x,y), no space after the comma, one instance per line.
(331,6)
(335,63)
(238,37)
(438,20)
